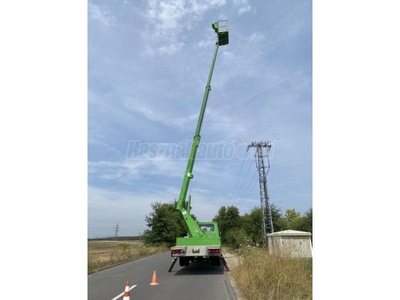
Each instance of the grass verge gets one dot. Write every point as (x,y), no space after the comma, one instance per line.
(260,276)
(103,254)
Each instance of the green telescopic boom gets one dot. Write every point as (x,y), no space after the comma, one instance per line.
(194,231)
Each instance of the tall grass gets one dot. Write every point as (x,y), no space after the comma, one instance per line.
(260,276)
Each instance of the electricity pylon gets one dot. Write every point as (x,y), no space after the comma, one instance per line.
(116,228)
(266,214)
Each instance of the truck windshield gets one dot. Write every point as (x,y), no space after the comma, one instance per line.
(207,227)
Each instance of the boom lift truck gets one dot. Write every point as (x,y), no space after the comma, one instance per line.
(203,241)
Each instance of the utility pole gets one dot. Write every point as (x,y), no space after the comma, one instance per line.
(116,232)
(266,215)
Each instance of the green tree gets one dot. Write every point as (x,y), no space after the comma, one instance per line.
(304,223)
(228,218)
(291,217)
(165,223)
(252,223)
(277,218)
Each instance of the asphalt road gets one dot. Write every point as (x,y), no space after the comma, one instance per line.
(198,281)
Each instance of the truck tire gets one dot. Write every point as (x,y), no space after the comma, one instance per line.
(181,261)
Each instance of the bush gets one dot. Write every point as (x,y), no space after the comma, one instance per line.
(236,237)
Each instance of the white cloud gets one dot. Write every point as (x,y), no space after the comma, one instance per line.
(228,56)
(171,48)
(142,108)
(113,170)
(167,15)
(244,9)
(244,6)
(101,14)
(148,164)
(155,115)
(256,37)
(207,41)
(166,21)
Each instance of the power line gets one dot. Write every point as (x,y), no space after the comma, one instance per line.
(237,179)
(247,192)
(247,173)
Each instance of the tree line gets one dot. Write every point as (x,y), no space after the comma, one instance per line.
(165,223)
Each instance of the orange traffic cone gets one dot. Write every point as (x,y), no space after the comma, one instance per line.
(154,280)
(127,294)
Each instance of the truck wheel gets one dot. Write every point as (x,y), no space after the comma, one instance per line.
(182,261)
(218,261)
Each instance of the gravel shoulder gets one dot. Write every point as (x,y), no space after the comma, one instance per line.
(233,261)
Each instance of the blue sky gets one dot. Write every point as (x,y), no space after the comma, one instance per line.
(148,63)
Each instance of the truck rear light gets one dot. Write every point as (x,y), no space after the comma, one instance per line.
(213,250)
(175,251)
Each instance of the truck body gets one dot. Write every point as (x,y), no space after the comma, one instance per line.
(203,241)
(189,249)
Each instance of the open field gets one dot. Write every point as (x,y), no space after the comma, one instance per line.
(107,253)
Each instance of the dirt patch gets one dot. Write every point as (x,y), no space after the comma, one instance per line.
(232,261)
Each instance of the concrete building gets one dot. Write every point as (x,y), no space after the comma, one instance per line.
(290,243)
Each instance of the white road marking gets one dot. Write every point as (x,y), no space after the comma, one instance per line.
(120,295)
